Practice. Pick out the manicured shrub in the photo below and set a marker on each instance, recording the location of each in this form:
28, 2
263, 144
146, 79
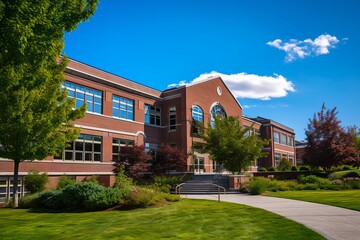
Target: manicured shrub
165, 184
77, 195
30, 201
352, 183
272, 169
351, 175
103, 199
51, 200
294, 169
35, 182
64, 181
257, 185
262, 169
346, 167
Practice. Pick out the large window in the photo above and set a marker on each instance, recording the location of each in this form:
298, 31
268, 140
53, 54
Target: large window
117, 145
283, 139
85, 148
152, 115
172, 118
276, 137
122, 108
217, 110
82, 94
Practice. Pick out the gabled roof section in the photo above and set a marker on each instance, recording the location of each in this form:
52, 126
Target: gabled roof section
212, 79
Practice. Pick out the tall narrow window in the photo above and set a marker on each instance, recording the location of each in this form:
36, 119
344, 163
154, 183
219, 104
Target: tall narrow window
277, 159
197, 117
172, 118
276, 137
152, 115
122, 107
81, 94
290, 141
283, 139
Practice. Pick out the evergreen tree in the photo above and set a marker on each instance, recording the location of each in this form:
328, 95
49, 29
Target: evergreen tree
35, 113
329, 144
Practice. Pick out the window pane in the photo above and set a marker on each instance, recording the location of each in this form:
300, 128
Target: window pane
88, 146
79, 146
115, 112
68, 156
97, 147
115, 149
88, 156
97, 157
78, 156
79, 103
97, 108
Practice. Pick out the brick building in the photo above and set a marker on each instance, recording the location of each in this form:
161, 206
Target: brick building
122, 112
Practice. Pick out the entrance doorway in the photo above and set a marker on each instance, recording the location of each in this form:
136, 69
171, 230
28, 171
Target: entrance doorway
199, 165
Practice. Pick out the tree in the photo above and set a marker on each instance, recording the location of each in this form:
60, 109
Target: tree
284, 165
230, 145
36, 115
168, 159
133, 159
329, 144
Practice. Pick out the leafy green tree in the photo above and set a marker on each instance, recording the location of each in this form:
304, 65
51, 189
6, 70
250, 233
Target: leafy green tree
36, 115
329, 144
230, 144
35, 182
284, 165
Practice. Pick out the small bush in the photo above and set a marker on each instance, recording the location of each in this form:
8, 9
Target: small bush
262, 169
30, 201
141, 197
165, 184
304, 168
65, 181
106, 198
346, 167
93, 179
272, 169
35, 182
313, 179
352, 183
284, 165
294, 169
257, 185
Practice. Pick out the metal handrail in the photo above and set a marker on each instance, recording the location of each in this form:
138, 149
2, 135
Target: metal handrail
177, 188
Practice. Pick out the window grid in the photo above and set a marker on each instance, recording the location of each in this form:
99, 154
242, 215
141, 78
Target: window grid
197, 113
277, 159
122, 108
152, 115
118, 144
85, 148
283, 139
82, 94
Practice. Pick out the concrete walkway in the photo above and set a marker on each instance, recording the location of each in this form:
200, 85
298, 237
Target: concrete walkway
331, 222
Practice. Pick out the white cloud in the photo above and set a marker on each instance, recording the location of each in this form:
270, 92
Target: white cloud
243, 85
300, 49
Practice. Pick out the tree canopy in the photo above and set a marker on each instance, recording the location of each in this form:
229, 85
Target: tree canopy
329, 144
230, 145
36, 115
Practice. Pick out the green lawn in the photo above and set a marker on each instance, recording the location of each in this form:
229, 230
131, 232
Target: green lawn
346, 199
187, 219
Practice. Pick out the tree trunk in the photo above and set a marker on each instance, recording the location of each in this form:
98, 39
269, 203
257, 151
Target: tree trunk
15, 183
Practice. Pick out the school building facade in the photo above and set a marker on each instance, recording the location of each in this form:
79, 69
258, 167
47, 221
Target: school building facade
122, 112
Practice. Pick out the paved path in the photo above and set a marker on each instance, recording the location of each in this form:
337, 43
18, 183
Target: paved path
331, 222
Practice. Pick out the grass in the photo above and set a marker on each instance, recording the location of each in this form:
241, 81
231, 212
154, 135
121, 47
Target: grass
347, 199
187, 219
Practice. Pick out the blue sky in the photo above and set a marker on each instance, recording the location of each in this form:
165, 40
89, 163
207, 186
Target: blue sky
281, 59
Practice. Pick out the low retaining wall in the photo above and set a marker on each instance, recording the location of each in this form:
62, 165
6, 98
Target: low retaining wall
236, 182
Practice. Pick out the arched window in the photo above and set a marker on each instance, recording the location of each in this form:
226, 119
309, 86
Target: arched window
216, 110
197, 113
197, 116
